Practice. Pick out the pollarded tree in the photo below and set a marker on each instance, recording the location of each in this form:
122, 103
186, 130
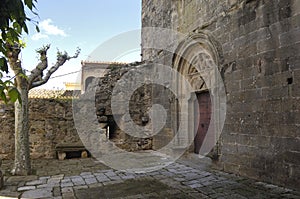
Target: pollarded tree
13, 19
24, 83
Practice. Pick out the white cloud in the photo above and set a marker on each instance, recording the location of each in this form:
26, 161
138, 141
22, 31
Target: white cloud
50, 29
38, 36
47, 29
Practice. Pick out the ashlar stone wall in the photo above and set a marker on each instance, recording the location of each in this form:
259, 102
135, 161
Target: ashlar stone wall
256, 44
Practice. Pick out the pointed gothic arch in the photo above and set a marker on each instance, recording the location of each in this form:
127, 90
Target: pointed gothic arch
198, 58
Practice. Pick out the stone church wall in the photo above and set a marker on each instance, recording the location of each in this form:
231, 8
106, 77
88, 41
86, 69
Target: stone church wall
258, 47
51, 122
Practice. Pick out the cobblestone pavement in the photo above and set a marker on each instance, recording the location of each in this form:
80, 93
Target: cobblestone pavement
85, 178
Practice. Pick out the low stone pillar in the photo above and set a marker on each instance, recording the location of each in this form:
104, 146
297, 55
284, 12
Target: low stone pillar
1, 176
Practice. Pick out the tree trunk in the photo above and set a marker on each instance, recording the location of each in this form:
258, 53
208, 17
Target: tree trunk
24, 83
22, 164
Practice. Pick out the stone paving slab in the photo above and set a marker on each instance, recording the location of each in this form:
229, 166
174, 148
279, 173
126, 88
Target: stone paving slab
182, 179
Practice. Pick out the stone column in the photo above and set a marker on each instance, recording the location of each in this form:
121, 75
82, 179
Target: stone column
1, 176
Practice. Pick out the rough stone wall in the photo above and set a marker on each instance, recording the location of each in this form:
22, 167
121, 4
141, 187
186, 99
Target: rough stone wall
259, 59
138, 109
51, 122
141, 101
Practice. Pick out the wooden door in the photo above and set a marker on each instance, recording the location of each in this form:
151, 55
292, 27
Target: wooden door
202, 119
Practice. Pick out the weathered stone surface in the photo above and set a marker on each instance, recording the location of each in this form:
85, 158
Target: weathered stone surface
26, 188
257, 45
14, 180
38, 193
183, 179
77, 180
51, 122
35, 182
89, 181
137, 107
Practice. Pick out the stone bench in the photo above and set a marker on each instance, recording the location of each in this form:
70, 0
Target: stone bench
63, 149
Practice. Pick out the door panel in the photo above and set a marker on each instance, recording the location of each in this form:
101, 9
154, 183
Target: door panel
202, 119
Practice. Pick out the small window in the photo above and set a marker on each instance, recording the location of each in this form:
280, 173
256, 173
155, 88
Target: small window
88, 81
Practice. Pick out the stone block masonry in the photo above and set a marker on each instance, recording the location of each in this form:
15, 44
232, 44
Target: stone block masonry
258, 44
51, 122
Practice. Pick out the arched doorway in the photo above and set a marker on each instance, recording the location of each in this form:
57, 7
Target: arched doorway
197, 59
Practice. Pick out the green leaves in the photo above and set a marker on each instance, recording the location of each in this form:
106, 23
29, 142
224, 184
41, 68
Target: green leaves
14, 94
12, 24
2, 94
12, 36
29, 4
9, 93
3, 64
13, 19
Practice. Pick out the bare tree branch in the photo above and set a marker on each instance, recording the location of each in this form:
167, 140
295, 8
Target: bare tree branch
12, 54
61, 59
37, 73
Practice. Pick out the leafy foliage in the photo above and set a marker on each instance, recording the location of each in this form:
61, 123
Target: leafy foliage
13, 19
8, 92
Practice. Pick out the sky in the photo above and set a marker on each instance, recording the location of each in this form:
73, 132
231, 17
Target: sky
88, 24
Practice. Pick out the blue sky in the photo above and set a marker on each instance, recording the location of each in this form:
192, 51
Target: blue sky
67, 24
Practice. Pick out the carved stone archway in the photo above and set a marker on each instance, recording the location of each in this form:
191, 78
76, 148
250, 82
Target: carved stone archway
197, 58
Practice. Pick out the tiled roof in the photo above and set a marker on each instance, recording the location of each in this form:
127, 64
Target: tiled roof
53, 94
103, 62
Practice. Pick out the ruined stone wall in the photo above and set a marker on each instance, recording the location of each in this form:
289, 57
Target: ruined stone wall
258, 48
138, 109
51, 122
